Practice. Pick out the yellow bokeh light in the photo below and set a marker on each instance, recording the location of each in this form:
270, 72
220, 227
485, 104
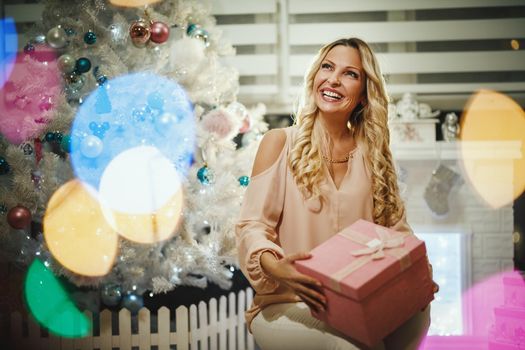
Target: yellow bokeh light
515, 44
76, 231
132, 3
491, 119
148, 228
142, 203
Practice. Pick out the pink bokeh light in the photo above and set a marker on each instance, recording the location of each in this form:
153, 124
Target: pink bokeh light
29, 96
494, 316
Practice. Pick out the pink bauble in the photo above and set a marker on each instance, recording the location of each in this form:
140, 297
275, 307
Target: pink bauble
246, 125
160, 32
30, 95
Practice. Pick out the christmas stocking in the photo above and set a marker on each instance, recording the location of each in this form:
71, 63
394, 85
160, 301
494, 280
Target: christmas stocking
438, 189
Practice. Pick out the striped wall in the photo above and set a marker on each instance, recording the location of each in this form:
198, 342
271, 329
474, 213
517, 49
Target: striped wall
442, 50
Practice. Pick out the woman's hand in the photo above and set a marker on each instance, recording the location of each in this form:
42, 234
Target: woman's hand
284, 271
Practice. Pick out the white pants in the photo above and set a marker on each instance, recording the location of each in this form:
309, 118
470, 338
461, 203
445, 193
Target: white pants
290, 326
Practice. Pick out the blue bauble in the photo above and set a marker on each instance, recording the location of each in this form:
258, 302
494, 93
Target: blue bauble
133, 302
205, 175
4, 166
101, 80
244, 180
83, 65
91, 146
90, 38
111, 294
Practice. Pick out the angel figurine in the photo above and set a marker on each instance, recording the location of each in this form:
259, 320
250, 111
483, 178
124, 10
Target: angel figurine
450, 127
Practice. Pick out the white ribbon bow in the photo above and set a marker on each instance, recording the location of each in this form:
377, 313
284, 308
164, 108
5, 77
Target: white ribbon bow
376, 246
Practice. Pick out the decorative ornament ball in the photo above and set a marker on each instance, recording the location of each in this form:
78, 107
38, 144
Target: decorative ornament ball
58, 136
111, 294
133, 302
90, 38
28, 149
205, 175
19, 217
50, 137
164, 122
160, 32
139, 32
4, 166
244, 180
66, 63
246, 125
101, 80
56, 37
70, 31
65, 144
201, 34
91, 146
83, 65
29, 48
75, 81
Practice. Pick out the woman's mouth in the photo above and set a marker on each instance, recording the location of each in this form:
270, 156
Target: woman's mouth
330, 96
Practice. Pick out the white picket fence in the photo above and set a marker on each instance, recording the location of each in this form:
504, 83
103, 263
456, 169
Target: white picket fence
206, 326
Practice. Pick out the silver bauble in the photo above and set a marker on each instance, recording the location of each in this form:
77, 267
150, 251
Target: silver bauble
111, 294
56, 38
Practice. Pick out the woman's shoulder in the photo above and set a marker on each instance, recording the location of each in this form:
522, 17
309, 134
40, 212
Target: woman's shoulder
270, 150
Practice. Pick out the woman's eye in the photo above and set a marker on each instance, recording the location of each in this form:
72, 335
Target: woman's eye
352, 74
326, 66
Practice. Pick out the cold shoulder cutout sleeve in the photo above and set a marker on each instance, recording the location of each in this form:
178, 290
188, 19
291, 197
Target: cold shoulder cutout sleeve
260, 213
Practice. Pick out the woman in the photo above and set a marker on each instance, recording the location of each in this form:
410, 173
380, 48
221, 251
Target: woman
310, 181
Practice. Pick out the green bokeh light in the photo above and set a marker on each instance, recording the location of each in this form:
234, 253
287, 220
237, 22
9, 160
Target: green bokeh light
50, 304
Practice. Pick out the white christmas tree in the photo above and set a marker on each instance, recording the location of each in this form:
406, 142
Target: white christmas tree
118, 127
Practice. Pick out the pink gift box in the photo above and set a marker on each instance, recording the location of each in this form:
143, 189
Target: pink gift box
374, 279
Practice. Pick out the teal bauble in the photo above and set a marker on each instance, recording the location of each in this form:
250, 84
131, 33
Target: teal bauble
90, 38
83, 65
50, 137
244, 180
65, 143
205, 175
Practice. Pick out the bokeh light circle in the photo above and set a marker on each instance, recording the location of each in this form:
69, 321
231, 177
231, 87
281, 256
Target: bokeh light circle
492, 117
29, 95
143, 203
141, 109
76, 231
51, 306
9, 45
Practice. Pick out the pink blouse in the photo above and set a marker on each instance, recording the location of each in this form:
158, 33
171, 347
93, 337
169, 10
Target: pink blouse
276, 218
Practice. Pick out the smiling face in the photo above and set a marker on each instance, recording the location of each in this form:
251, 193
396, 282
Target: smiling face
339, 84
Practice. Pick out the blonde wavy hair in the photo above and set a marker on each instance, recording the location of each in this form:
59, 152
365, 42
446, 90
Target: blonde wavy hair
369, 123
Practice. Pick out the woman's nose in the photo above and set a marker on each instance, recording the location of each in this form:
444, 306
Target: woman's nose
333, 79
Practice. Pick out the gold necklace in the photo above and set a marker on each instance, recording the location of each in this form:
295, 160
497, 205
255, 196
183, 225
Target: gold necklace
343, 160
330, 160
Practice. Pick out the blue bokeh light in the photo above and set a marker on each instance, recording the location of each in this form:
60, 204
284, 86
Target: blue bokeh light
140, 109
8, 48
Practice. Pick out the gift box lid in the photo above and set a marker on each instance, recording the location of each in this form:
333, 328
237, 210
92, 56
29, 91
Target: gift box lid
337, 265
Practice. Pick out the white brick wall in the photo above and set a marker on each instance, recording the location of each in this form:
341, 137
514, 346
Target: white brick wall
490, 229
